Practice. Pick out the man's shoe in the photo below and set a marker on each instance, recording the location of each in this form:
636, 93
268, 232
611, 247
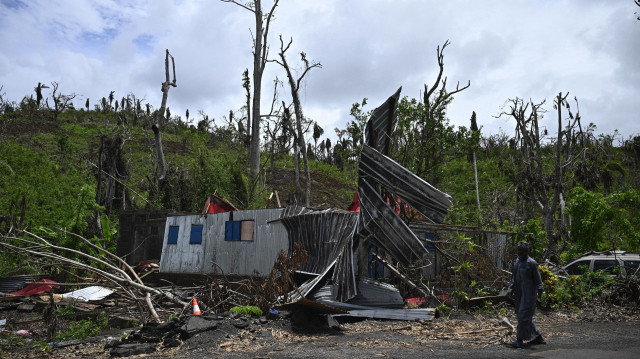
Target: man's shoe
518, 344
538, 340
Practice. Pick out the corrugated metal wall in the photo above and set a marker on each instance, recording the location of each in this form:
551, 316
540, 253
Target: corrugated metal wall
496, 248
232, 257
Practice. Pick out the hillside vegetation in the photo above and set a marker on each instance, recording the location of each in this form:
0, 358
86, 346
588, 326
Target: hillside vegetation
78, 168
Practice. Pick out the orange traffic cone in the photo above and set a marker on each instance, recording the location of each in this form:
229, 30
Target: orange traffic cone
196, 308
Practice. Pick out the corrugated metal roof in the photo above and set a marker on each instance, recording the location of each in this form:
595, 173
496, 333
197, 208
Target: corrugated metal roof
322, 234
389, 231
89, 293
382, 123
370, 293
327, 236
419, 194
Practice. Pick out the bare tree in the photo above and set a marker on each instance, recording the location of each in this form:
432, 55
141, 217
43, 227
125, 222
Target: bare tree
160, 162
424, 138
60, 101
294, 85
540, 184
260, 53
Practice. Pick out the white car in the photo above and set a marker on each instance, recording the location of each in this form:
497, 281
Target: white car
607, 261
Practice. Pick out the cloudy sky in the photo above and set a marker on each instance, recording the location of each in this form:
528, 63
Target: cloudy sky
530, 49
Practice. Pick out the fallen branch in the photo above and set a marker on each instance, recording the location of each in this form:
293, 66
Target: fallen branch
424, 291
111, 272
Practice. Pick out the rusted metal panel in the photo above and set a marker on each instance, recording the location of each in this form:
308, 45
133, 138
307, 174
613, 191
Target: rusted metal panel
382, 123
419, 194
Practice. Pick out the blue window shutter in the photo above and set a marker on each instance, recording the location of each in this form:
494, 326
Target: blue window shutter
232, 231
228, 230
236, 230
173, 234
196, 234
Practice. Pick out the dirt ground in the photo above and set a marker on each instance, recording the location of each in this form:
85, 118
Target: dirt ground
593, 333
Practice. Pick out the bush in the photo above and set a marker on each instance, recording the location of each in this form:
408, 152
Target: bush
247, 309
574, 290
84, 328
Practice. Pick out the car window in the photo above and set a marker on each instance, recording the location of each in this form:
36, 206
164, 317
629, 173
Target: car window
574, 269
607, 265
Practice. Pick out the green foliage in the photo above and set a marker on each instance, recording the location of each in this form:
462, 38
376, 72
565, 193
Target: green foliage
465, 266
48, 192
248, 310
443, 310
424, 141
603, 222
464, 243
574, 290
591, 213
461, 295
84, 328
533, 232
478, 290
64, 310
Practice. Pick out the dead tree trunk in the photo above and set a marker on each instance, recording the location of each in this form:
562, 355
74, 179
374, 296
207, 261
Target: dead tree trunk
296, 152
295, 87
260, 53
544, 188
161, 171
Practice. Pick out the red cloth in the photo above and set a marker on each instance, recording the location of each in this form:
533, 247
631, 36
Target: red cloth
410, 212
417, 301
33, 289
355, 204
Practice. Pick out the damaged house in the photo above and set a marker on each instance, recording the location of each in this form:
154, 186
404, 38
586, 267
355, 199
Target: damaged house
223, 240
339, 243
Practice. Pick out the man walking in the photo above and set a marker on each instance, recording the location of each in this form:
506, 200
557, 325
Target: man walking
526, 287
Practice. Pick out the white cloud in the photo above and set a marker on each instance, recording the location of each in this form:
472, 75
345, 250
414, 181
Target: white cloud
368, 48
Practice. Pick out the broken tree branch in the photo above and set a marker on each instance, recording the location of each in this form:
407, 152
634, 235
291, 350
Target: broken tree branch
420, 288
111, 272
